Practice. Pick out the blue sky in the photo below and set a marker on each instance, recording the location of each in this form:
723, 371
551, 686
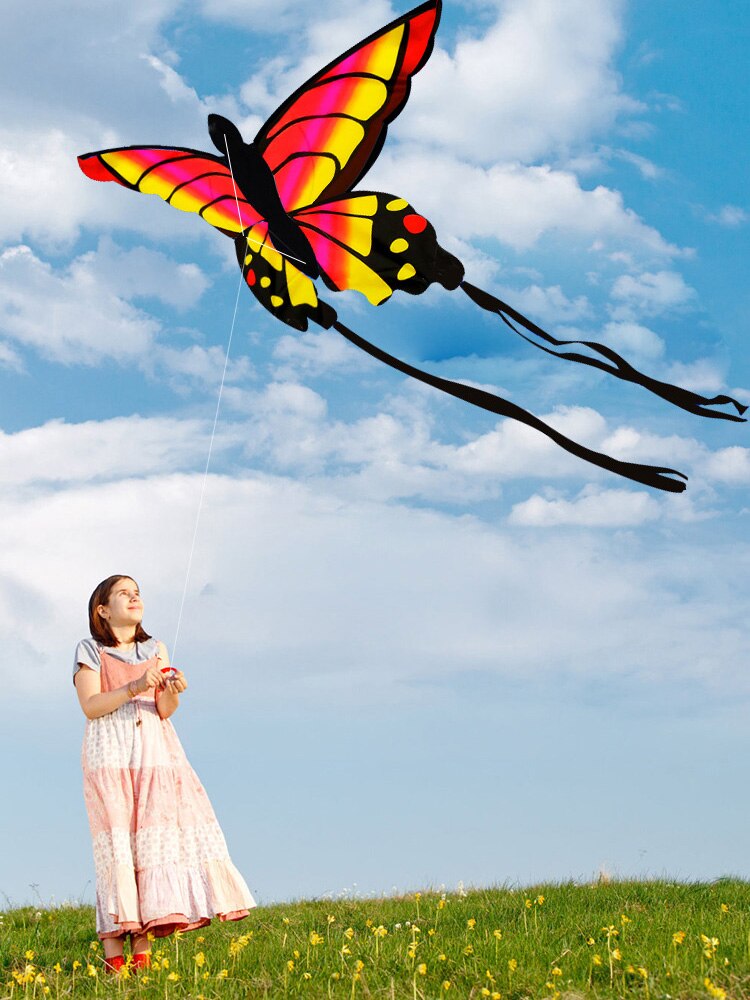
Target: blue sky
423, 645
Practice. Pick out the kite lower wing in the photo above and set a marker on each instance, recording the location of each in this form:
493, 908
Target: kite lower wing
375, 243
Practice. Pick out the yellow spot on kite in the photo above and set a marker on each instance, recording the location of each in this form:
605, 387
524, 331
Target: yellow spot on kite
406, 272
273, 257
301, 289
276, 300
265, 282
397, 204
398, 246
248, 258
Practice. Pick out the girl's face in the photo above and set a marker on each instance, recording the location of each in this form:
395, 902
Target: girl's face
124, 606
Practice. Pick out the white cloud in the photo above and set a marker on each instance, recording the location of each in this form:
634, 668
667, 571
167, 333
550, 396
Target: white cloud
537, 82
730, 216
703, 375
730, 465
143, 273
68, 317
514, 204
646, 168
100, 451
650, 293
549, 304
633, 338
592, 509
315, 354
341, 602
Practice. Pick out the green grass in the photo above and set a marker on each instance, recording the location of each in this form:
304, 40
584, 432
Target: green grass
637, 939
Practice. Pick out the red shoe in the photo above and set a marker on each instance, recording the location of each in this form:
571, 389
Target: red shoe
142, 960
114, 964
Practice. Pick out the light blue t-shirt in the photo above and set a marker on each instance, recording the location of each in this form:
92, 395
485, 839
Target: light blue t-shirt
88, 652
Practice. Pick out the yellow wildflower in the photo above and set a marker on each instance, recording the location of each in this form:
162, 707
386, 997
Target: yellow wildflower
446, 984
336, 975
200, 959
539, 900
91, 970
349, 933
223, 974
528, 904
624, 919
285, 920
76, 965
150, 936
471, 923
379, 931
715, 991
57, 967
417, 896
422, 969
307, 975
346, 950
468, 950
315, 938
724, 908
556, 971
29, 955
590, 940
441, 906
678, 937
498, 934
512, 964
200, 940
369, 922
597, 959
616, 954
442, 957
331, 919
643, 973
359, 965
431, 932
485, 991
173, 977
290, 965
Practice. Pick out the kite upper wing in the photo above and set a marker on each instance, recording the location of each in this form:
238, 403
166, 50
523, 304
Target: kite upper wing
185, 178
326, 136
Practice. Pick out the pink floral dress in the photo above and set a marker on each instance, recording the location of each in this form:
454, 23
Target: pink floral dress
161, 859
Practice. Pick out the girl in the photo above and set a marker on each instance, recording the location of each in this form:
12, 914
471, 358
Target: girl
160, 856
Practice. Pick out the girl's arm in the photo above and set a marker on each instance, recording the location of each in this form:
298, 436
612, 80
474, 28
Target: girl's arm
96, 702
168, 697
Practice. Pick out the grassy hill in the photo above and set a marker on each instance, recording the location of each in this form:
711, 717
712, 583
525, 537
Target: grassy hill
561, 942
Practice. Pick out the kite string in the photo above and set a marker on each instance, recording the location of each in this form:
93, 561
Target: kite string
213, 432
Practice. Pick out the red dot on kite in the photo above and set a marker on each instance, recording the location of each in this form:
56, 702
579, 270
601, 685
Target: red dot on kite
415, 223
251, 278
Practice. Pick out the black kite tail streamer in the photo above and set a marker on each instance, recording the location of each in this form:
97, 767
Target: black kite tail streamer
619, 367
650, 475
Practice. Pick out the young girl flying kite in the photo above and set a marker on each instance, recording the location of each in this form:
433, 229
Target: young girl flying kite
160, 856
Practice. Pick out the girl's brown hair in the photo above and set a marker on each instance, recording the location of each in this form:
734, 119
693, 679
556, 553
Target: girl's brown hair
99, 626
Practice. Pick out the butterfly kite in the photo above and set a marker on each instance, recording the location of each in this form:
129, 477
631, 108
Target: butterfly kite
288, 201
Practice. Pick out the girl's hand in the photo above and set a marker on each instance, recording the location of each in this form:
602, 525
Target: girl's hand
151, 678
177, 684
